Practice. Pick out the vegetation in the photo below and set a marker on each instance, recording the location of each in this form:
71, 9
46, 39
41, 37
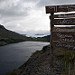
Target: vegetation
7, 36
45, 38
68, 57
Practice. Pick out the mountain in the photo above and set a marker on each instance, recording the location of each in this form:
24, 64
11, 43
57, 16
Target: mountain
7, 36
44, 38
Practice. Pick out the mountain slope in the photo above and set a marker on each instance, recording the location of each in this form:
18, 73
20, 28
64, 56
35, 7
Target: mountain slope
7, 36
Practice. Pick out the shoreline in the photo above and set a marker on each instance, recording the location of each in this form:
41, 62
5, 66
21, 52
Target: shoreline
37, 64
11, 43
19, 42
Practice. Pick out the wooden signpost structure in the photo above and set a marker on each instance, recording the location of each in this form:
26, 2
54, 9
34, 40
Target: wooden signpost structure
67, 18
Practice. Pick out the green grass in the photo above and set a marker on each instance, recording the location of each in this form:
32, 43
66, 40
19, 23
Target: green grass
68, 57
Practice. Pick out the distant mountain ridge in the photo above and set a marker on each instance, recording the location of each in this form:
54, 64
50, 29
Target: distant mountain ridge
7, 36
44, 38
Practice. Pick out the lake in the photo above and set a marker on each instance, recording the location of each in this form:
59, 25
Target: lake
14, 55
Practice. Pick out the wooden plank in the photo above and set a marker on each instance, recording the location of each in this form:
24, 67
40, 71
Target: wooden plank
66, 40
50, 9
64, 29
64, 21
72, 15
63, 45
63, 37
60, 8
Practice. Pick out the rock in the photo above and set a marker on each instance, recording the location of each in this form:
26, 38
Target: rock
39, 64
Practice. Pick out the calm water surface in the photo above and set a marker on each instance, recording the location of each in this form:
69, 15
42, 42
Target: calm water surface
14, 55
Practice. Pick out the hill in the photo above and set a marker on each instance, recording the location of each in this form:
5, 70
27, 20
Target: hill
7, 36
44, 38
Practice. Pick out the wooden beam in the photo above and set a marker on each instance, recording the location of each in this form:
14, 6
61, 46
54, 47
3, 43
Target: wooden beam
51, 41
60, 8
68, 30
71, 15
64, 21
64, 37
64, 45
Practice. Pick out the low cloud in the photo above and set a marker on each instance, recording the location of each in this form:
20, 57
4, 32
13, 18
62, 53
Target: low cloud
43, 3
11, 8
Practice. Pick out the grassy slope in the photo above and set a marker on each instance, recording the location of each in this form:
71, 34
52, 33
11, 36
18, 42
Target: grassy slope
7, 36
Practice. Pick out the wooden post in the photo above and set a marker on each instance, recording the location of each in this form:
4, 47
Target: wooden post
51, 43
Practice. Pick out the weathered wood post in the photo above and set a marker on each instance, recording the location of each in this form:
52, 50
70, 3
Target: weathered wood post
51, 41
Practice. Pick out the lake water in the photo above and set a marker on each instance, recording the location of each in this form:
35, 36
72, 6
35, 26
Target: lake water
14, 55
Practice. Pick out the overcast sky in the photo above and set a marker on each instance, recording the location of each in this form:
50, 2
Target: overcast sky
27, 16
